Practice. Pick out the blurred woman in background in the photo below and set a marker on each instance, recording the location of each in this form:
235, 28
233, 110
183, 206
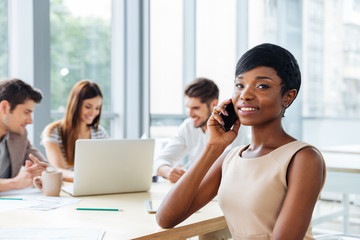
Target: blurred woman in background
81, 121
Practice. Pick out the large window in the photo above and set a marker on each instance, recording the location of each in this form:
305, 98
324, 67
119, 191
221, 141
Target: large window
80, 49
166, 68
332, 54
212, 60
331, 71
216, 43
3, 38
263, 24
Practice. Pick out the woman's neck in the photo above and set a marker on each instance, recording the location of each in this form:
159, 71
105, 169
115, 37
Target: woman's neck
84, 131
266, 139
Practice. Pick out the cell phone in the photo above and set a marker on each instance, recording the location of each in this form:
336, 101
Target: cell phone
231, 119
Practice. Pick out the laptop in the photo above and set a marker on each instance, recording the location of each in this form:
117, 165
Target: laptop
104, 166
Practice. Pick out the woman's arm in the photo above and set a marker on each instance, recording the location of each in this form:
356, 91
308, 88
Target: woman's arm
56, 159
200, 183
193, 190
305, 177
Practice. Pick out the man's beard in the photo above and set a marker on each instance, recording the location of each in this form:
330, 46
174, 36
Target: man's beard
204, 122
201, 124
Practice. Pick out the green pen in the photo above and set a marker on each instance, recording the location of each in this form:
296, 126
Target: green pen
10, 198
99, 209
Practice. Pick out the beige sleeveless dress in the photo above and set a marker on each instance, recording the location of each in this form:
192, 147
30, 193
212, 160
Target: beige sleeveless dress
252, 191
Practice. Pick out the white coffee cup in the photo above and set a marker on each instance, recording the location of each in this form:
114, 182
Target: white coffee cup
49, 183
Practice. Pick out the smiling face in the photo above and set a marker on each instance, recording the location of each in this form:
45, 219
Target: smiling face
257, 96
198, 111
90, 109
16, 120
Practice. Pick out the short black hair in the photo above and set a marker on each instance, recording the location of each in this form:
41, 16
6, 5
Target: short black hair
16, 91
276, 57
202, 88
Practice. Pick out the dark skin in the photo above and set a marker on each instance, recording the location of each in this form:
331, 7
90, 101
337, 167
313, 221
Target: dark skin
258, 103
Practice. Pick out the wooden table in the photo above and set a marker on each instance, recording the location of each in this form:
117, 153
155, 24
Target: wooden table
134, 222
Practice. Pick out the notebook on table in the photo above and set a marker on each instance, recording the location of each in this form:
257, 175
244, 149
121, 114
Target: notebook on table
104, 166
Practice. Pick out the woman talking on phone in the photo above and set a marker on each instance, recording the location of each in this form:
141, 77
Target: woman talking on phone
268, 188
81, 121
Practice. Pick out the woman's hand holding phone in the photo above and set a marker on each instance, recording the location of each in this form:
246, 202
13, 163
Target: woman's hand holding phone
219, 125
230, 118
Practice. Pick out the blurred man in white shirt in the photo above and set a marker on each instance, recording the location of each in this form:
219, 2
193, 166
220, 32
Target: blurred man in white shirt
200, 97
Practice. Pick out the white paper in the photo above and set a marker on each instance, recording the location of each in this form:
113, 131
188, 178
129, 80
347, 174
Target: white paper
7, 205
51, 234
33, 199
25, 191
49, 203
